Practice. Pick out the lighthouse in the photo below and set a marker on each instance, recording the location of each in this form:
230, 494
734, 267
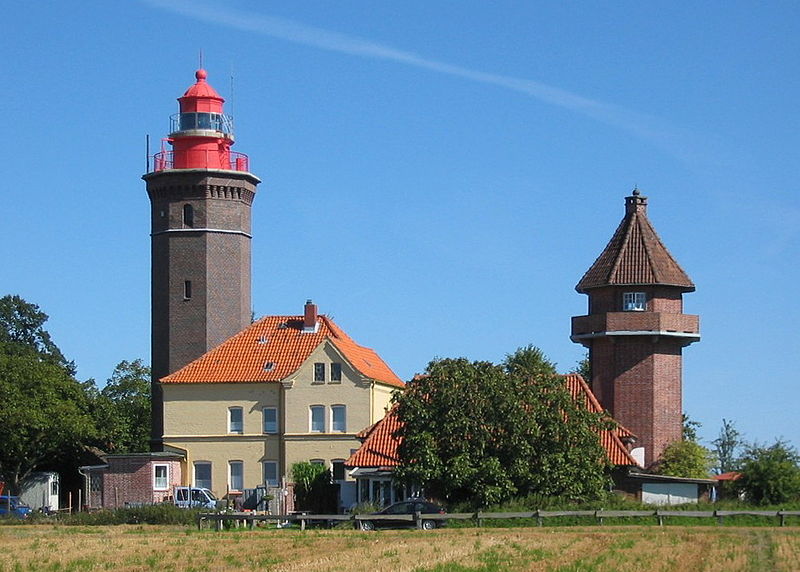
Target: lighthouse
201, 194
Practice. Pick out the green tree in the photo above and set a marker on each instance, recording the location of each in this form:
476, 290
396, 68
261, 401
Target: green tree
483, 433
685, 459
770, 474
122, 409
313, 488
22, 330
45, 414
584, 368
690, 427
726, 447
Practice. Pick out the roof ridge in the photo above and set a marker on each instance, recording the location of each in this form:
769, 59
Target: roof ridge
273, 348
623, 245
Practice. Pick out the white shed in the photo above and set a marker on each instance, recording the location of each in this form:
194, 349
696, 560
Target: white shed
40, 491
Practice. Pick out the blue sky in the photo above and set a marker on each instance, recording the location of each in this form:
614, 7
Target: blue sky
437, 175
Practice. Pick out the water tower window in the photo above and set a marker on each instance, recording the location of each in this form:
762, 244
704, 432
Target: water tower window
634, 301
188, 216
187, 289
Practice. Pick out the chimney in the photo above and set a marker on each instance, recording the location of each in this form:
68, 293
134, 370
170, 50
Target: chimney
310, 323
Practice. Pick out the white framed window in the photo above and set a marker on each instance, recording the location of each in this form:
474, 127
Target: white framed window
337, 469
271, 478
235, 420
338, 419
336, 372
160, 477
317, 462
634, 301
202, 474
270, 420
235, 475
317, 418
319, 373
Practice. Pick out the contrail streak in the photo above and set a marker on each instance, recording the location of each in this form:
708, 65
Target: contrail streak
642, 125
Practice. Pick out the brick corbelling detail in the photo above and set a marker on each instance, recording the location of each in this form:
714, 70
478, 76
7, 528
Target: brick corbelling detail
183, 192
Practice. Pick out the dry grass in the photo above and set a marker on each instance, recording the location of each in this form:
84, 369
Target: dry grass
551, 549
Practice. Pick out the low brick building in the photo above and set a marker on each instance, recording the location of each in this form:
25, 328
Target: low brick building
137, 478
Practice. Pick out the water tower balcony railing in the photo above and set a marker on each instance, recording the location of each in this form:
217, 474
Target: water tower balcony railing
200, 159
656, 322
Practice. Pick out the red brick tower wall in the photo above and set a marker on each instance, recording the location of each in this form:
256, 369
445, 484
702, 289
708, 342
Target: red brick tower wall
638, 379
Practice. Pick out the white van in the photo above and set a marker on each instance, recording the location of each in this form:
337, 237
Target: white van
193, 497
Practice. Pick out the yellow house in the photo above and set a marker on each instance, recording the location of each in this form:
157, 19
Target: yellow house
285, 389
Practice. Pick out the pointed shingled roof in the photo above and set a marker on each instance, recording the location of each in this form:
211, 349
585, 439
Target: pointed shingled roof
635, 255
380, 443
273, 348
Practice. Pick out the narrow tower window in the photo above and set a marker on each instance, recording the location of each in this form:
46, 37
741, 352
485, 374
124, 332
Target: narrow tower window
188, 216
187, 289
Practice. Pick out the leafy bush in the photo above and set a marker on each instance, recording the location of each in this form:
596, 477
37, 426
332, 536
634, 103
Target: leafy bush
150, 514
313, 488
770, 475
685, 459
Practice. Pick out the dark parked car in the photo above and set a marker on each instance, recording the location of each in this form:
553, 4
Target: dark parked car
406, 508
16, 506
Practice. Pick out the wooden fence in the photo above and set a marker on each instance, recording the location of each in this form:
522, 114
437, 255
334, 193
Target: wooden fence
250, 519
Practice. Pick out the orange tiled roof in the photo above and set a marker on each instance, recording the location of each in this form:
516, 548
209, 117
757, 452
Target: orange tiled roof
610, 439
635, 255
281, 342
379, 448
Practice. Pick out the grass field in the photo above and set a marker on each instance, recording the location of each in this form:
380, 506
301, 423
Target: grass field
555, 549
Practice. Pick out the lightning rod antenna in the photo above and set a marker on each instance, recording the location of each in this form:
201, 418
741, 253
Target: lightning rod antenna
233, 101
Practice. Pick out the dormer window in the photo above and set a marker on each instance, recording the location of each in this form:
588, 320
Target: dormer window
634, 302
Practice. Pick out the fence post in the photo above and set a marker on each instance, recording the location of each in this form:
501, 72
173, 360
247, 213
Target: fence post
480, 520
783, 518
302, 524
418, 519
719, 518
538, 517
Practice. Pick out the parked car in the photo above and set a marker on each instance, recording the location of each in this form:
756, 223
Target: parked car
12, 505
407, 507
194, 497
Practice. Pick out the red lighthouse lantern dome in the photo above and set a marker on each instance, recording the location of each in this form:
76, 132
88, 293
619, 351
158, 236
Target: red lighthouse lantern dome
201, 135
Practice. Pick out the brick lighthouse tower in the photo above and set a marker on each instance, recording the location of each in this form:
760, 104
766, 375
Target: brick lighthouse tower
201, 195
636, 329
